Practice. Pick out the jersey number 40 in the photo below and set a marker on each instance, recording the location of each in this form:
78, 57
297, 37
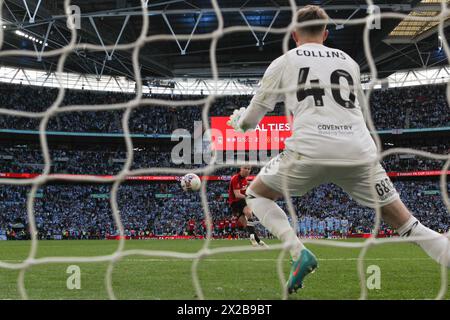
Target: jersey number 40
318, 92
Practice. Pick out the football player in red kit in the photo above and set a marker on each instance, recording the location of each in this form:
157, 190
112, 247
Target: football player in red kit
239, 208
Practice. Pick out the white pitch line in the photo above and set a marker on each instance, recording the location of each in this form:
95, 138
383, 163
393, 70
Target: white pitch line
251, 260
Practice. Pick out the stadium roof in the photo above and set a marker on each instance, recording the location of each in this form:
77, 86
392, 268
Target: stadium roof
411, 28
240, 54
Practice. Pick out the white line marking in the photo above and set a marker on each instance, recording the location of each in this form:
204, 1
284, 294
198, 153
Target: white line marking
252, 260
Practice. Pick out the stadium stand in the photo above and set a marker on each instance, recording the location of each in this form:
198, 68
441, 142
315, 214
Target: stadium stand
415, 107
83, 211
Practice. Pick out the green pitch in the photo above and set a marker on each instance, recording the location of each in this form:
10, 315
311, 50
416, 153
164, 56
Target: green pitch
406, 272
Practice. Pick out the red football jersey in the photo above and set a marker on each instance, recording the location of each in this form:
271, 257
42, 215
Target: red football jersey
237, 183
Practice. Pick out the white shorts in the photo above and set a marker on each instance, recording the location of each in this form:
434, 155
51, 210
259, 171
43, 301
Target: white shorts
294, 173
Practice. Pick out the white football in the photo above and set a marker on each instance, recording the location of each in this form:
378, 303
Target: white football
191, 182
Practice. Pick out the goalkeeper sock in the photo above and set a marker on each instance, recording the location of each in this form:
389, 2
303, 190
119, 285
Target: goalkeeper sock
275, 220
251, 230
438, 247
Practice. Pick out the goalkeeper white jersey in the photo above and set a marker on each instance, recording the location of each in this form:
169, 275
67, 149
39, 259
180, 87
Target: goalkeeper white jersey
325, 97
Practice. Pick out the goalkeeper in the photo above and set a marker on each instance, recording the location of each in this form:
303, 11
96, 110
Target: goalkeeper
330, 143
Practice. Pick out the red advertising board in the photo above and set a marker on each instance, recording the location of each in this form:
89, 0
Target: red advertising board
140, 178
416, 174
270, 134
209, 178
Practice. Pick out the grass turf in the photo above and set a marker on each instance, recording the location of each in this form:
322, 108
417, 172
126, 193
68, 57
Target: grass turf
406, 272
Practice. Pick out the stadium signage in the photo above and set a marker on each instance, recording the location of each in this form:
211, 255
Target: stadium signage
270, 134
177, 178
432, 192
163, 195
416, 174
100, 195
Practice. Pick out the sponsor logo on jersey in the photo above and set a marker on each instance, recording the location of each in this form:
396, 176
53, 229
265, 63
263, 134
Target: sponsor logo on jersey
335, 130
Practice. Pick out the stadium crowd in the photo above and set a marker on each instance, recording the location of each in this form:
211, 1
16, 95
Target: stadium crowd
68, 211
410, 107
399, 108
84, 212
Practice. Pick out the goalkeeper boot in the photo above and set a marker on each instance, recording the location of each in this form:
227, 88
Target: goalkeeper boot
304, 265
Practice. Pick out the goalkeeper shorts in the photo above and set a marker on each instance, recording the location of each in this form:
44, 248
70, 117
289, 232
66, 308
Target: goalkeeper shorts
292, 172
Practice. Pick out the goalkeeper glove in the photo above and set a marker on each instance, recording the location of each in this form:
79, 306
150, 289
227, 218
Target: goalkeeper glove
234, 120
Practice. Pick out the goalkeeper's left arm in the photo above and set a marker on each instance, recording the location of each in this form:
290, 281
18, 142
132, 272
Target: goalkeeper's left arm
264, 100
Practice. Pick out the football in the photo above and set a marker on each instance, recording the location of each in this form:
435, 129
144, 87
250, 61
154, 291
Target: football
191, 182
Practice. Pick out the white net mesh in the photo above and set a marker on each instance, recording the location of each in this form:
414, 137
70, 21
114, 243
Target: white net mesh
129, 106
